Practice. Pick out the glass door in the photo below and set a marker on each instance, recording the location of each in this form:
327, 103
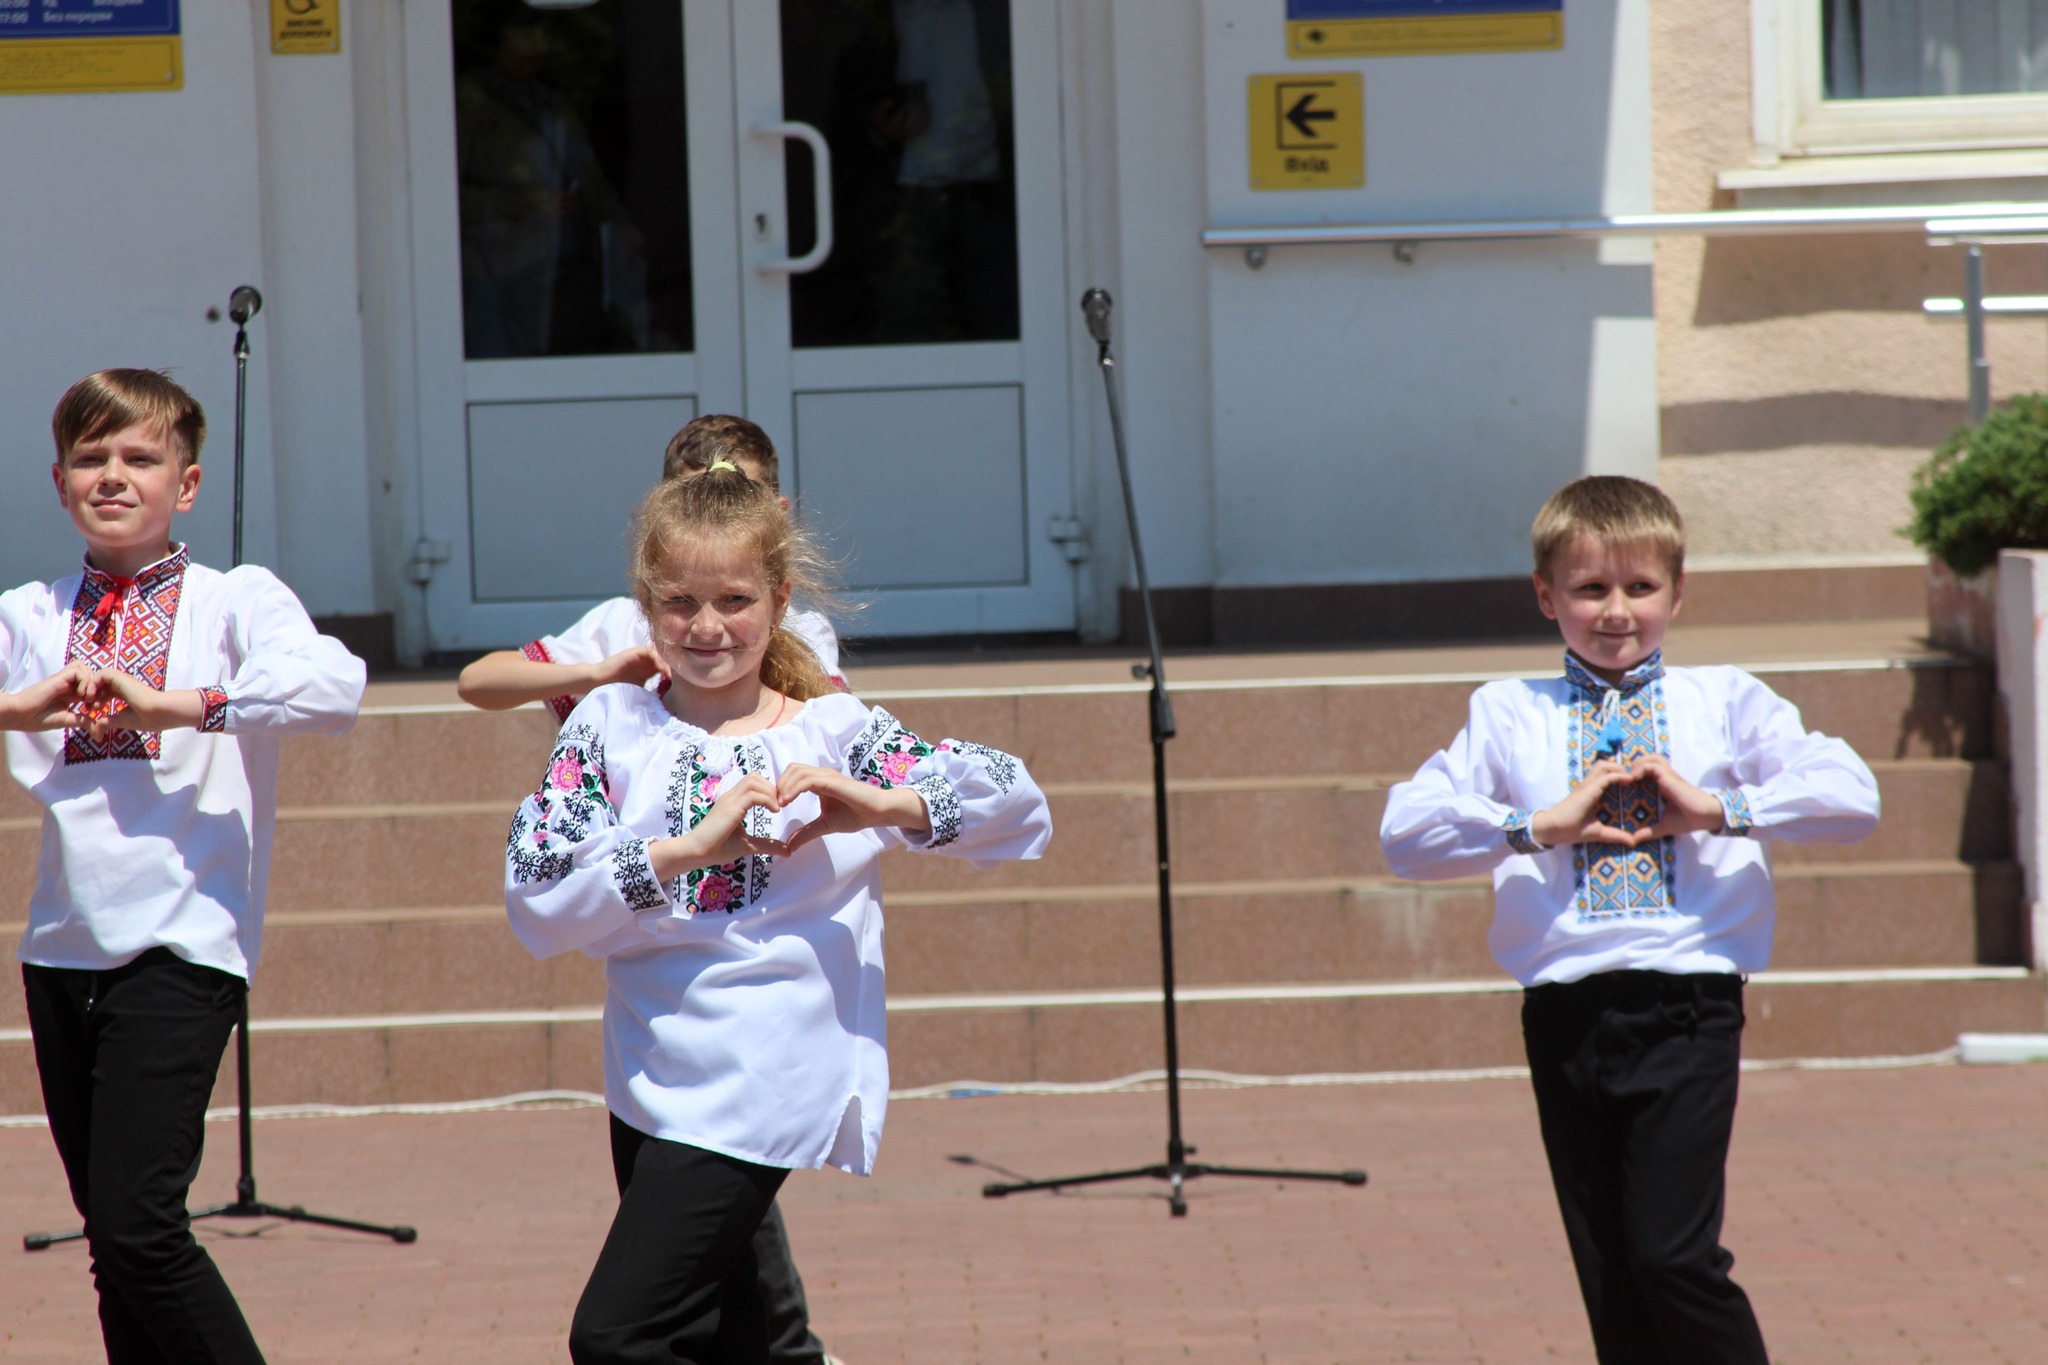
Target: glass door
575, 296
905, 303
837, 217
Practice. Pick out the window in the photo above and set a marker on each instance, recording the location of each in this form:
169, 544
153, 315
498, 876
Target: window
1858, 77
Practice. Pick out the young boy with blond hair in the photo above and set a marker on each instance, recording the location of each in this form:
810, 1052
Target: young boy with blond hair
609, 643
1624, 810
144, 697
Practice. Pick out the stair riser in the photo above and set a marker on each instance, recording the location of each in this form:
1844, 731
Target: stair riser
393, 1066
1392, 933
1931, 812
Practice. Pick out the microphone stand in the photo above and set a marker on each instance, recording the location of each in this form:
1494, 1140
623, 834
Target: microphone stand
1176, 1170
244, 304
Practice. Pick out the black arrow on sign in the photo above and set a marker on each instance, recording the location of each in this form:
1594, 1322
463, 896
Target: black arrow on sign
1305, 118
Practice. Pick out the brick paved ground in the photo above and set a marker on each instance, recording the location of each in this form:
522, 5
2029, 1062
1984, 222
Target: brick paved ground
1879, 1216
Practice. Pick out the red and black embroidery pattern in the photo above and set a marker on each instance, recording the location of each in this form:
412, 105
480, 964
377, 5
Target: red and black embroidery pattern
133, 634
561, 705
213, 716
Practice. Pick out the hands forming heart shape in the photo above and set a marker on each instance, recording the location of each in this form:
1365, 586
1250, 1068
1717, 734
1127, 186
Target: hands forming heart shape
1576, 819
845, 806
101, 702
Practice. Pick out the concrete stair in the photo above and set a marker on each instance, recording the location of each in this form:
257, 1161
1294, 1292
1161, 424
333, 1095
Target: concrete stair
388, 975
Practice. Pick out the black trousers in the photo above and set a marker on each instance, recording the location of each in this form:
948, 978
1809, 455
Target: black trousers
1635, 1076
790, 1339
678, 1280
128, 1059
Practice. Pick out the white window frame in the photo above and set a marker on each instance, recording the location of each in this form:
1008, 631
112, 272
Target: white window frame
1791, 119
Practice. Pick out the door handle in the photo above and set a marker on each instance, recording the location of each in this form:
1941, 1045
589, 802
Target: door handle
821, 196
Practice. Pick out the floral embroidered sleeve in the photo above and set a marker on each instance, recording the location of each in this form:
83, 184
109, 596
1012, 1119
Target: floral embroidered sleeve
982, 804
573, 873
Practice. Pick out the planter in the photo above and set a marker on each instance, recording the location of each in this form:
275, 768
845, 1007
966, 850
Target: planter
2023, 688
1962, 613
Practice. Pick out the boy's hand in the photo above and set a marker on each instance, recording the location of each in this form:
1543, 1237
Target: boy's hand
1687, 809
1576, 819
117, 701
634, 666
849, 805
721, 836
53, 703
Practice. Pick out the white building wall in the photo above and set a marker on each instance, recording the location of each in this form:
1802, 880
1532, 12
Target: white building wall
1376, 421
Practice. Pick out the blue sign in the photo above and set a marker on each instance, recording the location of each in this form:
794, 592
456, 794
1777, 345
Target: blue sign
88, 18
1302, 10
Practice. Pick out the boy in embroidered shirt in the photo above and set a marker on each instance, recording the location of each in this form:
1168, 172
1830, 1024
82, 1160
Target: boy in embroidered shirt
609, 643
143, 699
1623, 810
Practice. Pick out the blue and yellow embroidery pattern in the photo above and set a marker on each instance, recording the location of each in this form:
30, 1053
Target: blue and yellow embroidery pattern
1630, 721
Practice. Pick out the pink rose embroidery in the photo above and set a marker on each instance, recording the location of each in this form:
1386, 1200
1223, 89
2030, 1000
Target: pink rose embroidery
714, 892
710, 787
567, 774
896, 767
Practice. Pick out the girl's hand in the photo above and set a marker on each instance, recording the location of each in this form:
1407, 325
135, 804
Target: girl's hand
849, 805
1687, 809
721, 836
51, 704
117, 701
634, 665
1576, 819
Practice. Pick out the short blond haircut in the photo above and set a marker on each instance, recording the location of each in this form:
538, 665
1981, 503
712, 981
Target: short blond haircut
107, 401
1613, 510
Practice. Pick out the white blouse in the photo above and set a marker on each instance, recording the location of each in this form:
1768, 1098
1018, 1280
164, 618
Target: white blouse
1688, 903
163, 840
744, 1003
617, 624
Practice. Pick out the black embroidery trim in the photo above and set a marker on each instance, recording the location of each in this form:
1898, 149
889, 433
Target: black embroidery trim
1002, 767
942, 803
635, 876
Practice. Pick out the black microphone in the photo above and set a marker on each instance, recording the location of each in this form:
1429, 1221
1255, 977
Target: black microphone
244, 303
1095, 306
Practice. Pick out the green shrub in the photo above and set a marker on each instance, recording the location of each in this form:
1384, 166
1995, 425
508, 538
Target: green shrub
1986, 489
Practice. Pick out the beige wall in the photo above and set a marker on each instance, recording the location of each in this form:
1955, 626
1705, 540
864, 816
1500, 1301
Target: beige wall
1798, 382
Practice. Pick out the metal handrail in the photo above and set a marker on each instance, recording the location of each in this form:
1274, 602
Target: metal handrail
1725, 223
1995, 306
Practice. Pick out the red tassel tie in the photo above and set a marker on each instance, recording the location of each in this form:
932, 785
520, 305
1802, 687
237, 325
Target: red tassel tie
109, 600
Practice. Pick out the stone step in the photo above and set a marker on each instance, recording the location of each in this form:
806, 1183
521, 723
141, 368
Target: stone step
935, 1040
337, 857
434, 961
446, 753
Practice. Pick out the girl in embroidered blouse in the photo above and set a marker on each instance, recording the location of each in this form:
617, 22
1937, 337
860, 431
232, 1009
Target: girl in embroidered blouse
716, 845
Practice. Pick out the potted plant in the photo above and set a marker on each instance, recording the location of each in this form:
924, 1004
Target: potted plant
1985, 490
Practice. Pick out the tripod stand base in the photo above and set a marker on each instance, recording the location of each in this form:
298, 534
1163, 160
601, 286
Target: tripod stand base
249, 1208
1175, 1174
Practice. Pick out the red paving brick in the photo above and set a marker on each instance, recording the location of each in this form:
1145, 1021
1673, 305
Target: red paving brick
1878, 1216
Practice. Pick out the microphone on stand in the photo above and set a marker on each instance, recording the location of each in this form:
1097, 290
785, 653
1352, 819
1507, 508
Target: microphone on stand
1095, 306
244, 303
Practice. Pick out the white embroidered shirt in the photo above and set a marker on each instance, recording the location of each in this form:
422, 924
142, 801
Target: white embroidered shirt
1686, 903
744, 1003
617, 624
163, 840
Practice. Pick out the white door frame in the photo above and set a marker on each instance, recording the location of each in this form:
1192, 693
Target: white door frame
743, 360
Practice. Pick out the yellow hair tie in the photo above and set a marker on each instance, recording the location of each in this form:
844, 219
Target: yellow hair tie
719, 464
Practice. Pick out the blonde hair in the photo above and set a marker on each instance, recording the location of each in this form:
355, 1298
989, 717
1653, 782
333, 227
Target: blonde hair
1613, 510
724, 504
107, 401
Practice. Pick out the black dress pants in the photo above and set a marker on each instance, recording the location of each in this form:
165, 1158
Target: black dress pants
1635, 1077
678, 1281
128, 1059
790, 1338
